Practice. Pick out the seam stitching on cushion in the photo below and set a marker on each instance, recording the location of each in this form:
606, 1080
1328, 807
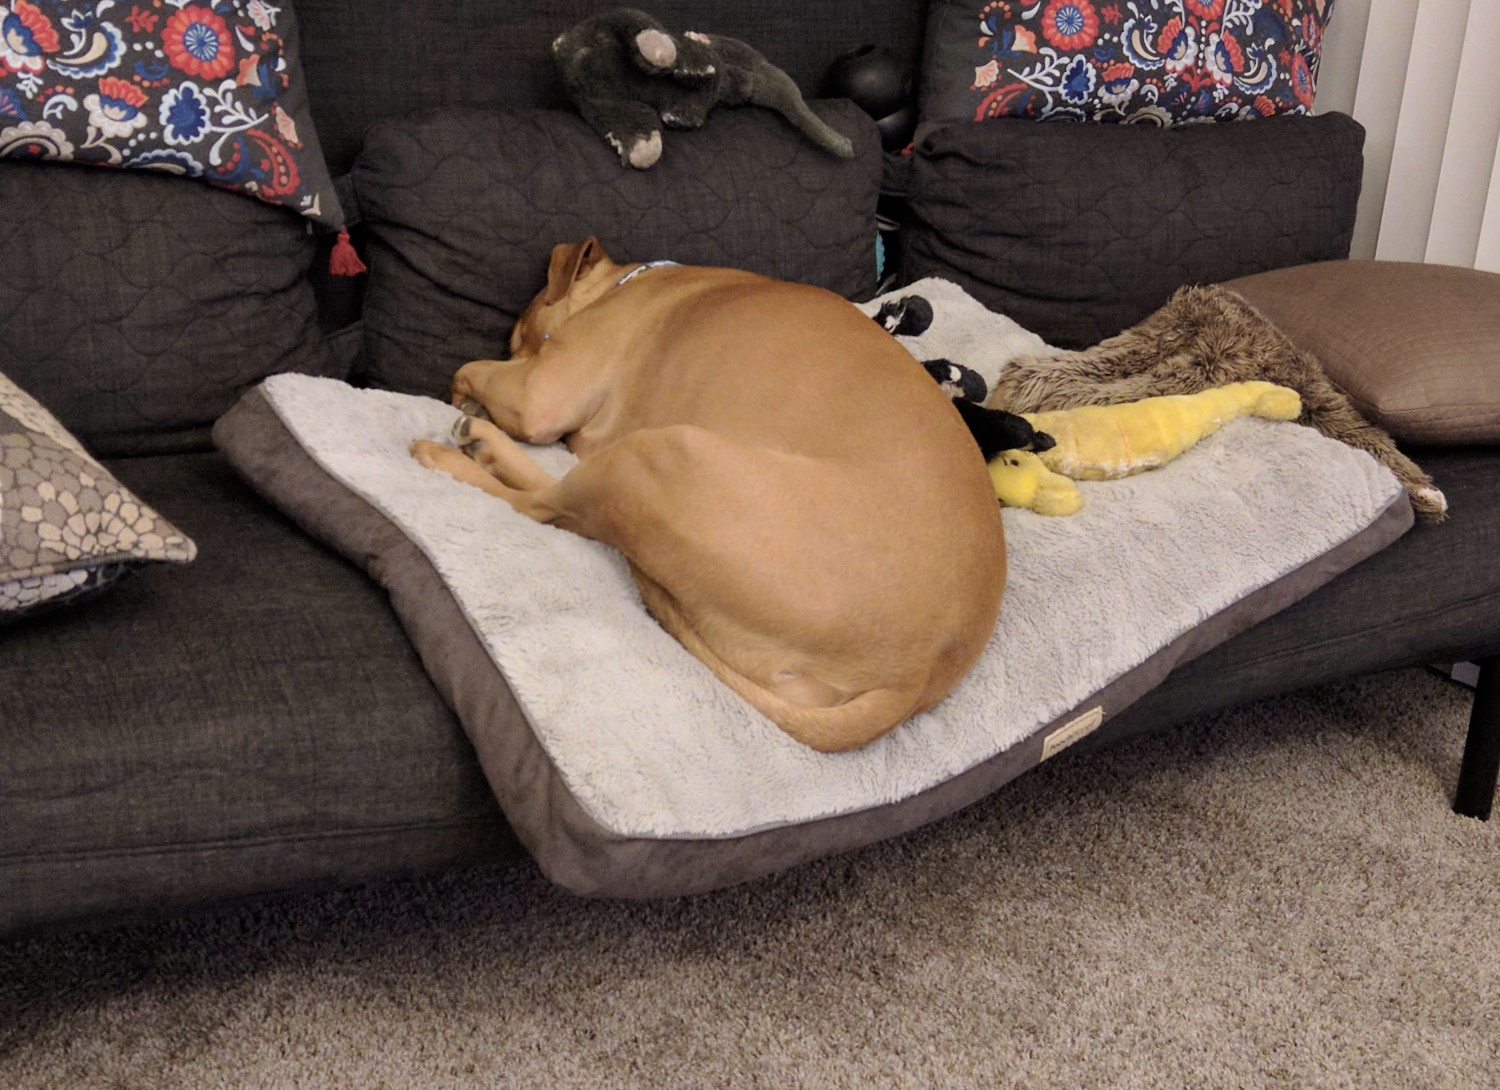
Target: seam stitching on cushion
226, 843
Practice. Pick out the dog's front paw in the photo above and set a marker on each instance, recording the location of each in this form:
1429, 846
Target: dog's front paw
464, 437
478, 438
470, 406
696, 60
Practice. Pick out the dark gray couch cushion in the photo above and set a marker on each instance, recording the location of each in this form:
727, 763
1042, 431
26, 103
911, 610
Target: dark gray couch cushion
137, 307
1080, 231
257, 721
463, 209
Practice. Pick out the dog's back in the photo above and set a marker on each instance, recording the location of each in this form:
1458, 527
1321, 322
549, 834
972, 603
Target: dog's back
801, 505
816, 522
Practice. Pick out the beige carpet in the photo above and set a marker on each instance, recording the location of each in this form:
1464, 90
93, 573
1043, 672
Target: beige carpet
1277, 896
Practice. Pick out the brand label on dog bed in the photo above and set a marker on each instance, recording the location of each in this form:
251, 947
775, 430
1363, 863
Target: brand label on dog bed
1065, 735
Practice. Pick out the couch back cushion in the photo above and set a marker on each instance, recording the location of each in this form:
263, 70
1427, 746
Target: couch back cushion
137, 307
1078, 231
382, 59
463, 207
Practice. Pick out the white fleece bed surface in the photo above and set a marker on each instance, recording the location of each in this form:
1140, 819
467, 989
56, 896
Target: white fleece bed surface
651, 745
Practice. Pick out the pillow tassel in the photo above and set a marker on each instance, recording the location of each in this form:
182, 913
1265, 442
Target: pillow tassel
344, 260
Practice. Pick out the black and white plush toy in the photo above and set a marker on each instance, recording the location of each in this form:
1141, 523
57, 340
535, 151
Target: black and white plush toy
629, 77
996, 430
938, 322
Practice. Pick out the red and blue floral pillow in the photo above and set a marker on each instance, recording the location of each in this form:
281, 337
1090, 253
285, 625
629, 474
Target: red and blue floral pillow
211, 90
1158, 61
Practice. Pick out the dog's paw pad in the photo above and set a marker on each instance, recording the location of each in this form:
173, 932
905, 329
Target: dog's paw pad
657, 48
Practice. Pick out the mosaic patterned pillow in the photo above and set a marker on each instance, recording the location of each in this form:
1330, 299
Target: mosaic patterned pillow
212, 91
67, 528
1155, 61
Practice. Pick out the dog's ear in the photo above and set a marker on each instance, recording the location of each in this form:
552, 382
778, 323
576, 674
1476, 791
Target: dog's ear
570, 262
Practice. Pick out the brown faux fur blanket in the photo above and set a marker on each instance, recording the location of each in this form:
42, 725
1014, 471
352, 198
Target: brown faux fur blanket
1204, 337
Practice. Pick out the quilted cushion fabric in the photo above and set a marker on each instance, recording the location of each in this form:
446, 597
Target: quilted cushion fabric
463, 209
67, 528
1159, 61
208, 90
1079, 231
137, 308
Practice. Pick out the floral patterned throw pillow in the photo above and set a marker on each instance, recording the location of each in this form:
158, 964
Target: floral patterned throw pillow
67, 528
1159, 61
211, 90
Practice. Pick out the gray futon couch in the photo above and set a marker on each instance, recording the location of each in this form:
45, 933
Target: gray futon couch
258, 721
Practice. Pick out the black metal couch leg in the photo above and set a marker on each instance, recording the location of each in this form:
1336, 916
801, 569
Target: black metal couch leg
1477, 774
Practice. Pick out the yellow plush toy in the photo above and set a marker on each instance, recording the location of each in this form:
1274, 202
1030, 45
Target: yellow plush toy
1104, 442
1021, 480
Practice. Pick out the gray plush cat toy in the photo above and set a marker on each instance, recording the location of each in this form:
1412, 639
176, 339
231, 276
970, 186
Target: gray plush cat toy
628, 77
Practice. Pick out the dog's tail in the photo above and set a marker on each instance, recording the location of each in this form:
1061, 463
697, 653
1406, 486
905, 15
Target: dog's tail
856, 722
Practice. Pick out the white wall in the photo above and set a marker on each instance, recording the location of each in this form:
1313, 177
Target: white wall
1415, 73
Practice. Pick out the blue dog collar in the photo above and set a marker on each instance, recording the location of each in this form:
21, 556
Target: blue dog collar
633, 273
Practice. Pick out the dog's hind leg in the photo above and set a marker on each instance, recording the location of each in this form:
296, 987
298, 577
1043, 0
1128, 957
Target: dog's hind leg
814, 713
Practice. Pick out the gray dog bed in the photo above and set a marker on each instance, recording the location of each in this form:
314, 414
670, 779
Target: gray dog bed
627, 769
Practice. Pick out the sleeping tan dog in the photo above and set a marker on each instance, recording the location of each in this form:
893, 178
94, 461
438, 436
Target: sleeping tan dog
800, 503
